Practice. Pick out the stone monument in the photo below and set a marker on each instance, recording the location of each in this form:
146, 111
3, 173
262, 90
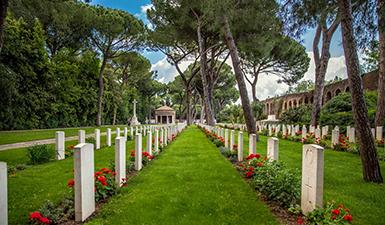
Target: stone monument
134, 119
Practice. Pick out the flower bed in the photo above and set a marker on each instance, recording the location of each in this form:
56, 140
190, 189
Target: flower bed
281, 187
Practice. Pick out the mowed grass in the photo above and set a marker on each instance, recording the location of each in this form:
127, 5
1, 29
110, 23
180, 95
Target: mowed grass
9, 137
30, 188
190, 183
343, 181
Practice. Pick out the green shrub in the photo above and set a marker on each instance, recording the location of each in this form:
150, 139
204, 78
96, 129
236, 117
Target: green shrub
39, 154
91, 140
300, 115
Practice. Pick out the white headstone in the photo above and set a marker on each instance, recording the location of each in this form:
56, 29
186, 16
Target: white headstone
108, 136
60, 147
347, 131
3, 194
311, 129
373, 132
324, 132
120, 160
272, 148
84, 181
352, 135
232, 139
97, 139
226, 138
379, 134
125, 132
156, 143
312, 177
252, 144
161, 137
284, 130
240, 146
138, 151
165, 137
335, 137
317, 133
131, 132
149, 142
81, 136
117, 132
304, 132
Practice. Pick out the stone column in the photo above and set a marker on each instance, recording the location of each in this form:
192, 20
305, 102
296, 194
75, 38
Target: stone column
156, 144
379, 135
226, 138
232, 138
108, 137
60, 146
117, 132
138, 151
3, 194
84, 181
81, 136
97, 139
252, 144
149, 142
312, 177
125, 133
272, 148
240, 146
120, 160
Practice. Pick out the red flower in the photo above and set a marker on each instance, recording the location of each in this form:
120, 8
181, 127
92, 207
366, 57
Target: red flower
71, 183
249, 174
299, 220
35, 215
336, 212
251, 168
348, 218
103, 180
260, 164
113, 173
334, 217
98, 173
132, 153
45, 220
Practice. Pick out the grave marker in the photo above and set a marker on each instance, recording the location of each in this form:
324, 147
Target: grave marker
232, 139
149, 142
240, 146
138, 151
272, 148
120, 160
156, 144
108, 137
97, 139
81, 136
252, 144
60, 146
379, 135
3, 194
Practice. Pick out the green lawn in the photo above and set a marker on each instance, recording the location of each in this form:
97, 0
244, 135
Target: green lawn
28, 189
190, 183
342, 180
9, 137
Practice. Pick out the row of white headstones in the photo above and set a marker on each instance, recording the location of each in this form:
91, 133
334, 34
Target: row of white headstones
312, 163
84, 163
319, 132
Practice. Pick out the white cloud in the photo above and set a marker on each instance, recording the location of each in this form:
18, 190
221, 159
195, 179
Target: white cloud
267, 85
144, 8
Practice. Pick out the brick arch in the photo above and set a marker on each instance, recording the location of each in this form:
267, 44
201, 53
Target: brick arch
347, 89
328, 96
337, 92
306, 100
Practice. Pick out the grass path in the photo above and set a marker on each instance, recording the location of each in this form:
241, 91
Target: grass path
190, 183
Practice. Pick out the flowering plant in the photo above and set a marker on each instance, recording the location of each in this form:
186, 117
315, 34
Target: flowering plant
330, 214
342, 145
69, 151
37, 218
250, 166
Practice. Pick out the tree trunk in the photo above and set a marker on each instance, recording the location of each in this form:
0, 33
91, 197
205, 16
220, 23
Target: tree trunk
254, 91
250, 122
371, 169
203, 65
380, 115
188, 105
101, 92
3, 14
321, 65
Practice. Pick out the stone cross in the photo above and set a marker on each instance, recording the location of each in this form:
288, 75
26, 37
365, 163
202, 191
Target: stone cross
156, 143
272, 148
108, 137
379, 135
226, 138
149, 142
240, 146
81, 136
312, 177
97, 139
84, 181
60, 147
252, 144
120, 160
117, 132
232, 139
138, 151
3, 194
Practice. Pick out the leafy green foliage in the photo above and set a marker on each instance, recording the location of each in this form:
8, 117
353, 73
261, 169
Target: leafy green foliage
39, 154
300, 115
